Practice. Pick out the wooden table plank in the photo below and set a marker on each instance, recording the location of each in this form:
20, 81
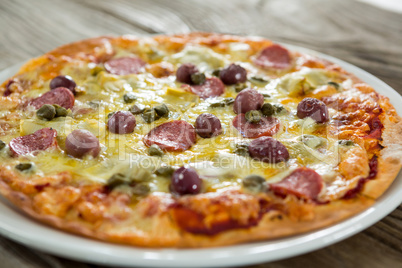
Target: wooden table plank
361, 34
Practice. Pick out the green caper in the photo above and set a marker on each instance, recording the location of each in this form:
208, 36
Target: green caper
346, 142
241, 149
239, 87
216, 72
162, 110
165, 171
117, 180
257, 80
155, 150
266, 95
141, 189
2, 145
24, 166
254, 183
137, 109
198, 78
229, 101
217, 104
334, 84
129, 97
149, 115
253, 116
279, 109
60, 111
267, 109
46, 112
94, 103
96, 70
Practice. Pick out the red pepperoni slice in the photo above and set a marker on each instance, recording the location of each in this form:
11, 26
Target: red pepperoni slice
213, 87
125, 65
61, 96
274, 56
268, 126
40, 140
303, 182
172, 136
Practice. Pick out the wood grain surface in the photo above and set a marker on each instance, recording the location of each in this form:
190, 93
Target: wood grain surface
361, 34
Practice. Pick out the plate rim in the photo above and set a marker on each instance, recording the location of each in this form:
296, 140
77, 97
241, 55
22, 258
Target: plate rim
110, 254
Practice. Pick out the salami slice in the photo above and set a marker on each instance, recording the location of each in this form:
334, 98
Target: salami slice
61, 96
40, 140
213, 87
174, 136
268, 126
125, 65
274, 56
303, 182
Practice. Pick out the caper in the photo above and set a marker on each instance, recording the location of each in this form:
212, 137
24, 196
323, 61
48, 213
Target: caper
162, 110
60, 111
141, 189
254, 183
229, 101
346, 142
241, 149
149, 115
258, 80
117, 180
267, 109
137, 109
266, 95
239, 87
110, 114
253, 116
198, 78
334, 84
217, 104
129, 97
24, 166
46, 112
164, 171
216, 72
94, 103
279, 108
155, 150
96, 70
2, 145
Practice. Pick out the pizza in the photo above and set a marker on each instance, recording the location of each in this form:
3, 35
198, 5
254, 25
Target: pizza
192, 140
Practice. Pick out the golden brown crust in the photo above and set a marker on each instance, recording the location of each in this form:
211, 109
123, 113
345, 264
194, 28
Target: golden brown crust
153, 224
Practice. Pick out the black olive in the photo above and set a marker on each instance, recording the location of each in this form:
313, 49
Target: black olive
155, 150
254, 183
129, 97
162, 110
198, 78
253, 116
46, 112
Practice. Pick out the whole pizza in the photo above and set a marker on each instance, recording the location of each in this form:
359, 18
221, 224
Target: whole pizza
192, 140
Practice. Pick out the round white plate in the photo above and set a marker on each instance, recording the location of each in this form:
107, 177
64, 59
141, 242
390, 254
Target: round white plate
18, 227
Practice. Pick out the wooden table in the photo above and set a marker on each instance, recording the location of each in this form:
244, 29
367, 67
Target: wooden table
363, 35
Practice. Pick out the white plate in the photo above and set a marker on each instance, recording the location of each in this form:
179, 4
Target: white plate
18, 227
